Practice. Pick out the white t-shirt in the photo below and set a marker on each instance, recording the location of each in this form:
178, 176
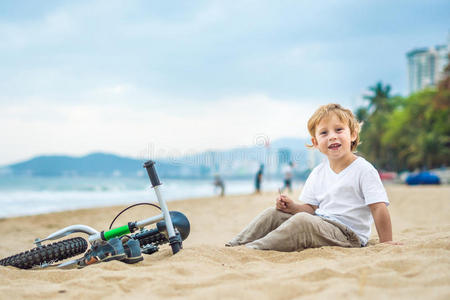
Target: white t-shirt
345, 197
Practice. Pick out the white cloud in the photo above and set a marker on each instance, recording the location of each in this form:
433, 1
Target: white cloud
53, 28
82, 76
130, 129
115, 90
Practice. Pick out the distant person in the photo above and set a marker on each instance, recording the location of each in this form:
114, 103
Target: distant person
339, 201
258, 179
288, 172
219, 184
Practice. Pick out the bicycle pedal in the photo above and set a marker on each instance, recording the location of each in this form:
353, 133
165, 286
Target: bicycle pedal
149, 249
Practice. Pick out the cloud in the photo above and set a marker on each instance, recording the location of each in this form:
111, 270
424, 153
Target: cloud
79, 76
130, 129
213, 49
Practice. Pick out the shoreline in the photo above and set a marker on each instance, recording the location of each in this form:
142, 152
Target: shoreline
54, 198
296, 192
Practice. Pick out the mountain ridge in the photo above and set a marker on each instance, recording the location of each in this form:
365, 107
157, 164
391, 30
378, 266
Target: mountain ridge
236, 162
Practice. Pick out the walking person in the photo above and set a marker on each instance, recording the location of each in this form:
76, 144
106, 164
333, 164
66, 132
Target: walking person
258, 179
288, 172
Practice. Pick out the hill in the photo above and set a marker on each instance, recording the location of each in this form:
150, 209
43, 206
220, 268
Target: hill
234, 163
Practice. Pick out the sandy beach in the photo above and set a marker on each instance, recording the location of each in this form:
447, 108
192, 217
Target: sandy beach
205, 269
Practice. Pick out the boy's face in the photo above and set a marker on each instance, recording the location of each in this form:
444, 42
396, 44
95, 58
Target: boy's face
333, 138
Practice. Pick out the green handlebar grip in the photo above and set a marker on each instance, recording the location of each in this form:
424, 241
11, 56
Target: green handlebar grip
119, 231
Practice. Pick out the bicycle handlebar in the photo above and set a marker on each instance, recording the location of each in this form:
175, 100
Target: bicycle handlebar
150, 166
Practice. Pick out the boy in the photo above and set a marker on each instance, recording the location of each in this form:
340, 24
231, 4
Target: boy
340, 196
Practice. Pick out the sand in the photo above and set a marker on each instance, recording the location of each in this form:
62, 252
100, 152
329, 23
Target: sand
205, 269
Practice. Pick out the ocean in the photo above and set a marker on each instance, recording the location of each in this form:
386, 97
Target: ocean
21, 196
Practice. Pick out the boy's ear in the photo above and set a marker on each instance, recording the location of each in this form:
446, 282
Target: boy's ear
354, 136
314, 141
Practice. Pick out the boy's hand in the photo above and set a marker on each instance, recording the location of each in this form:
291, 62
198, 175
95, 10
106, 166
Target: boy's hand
285, 204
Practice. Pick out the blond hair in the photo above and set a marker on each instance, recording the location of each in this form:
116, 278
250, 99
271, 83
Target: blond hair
345, 115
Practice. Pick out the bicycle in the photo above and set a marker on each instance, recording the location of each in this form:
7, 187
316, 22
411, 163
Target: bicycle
120, 243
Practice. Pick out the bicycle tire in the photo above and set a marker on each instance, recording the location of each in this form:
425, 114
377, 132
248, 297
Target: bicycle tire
46, 254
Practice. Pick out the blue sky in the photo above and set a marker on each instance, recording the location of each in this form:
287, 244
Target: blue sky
185, 76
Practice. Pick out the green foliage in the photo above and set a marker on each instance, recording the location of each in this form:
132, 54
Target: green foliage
406, 132
375, 117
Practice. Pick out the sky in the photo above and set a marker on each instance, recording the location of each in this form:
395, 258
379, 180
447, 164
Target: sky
155, 78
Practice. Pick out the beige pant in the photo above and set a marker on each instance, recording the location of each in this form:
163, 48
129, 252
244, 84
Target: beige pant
276, 230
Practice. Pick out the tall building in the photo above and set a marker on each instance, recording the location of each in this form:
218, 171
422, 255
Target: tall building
426, 66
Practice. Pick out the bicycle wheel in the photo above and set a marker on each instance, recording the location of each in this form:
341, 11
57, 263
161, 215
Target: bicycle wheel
46, 253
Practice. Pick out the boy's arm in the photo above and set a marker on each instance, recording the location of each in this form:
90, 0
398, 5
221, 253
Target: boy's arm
382, 220
309, 208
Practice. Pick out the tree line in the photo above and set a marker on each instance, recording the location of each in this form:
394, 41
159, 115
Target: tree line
407, 133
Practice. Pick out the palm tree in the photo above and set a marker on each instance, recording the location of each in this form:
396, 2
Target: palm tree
378, 101
362, 114
375, 117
